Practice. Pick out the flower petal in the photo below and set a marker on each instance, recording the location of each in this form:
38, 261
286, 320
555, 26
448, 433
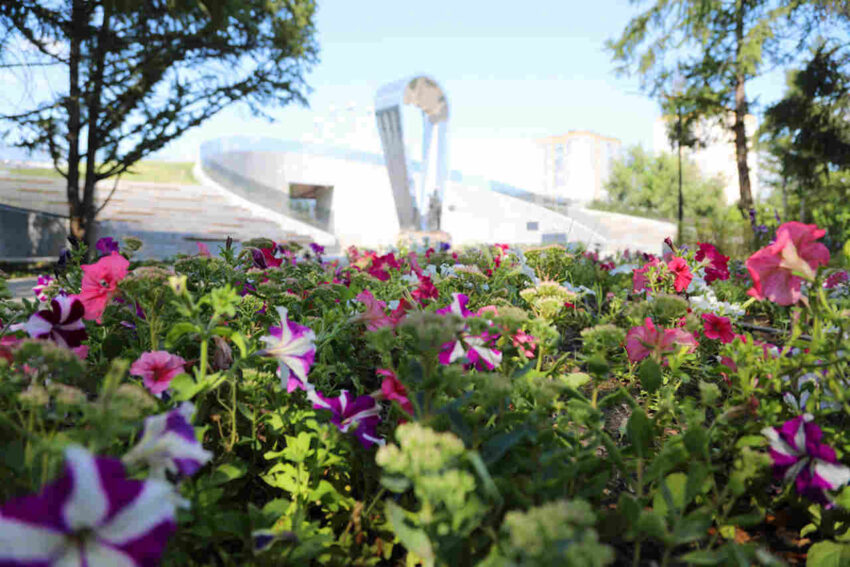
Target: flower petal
88, 502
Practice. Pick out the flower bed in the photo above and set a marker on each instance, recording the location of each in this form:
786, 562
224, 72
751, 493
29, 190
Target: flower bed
437, 407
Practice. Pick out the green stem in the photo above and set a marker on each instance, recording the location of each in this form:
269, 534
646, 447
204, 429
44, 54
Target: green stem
232, 415
374, 501
202, 372
639, 494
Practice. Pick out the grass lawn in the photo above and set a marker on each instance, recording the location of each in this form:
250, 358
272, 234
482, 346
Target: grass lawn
154, 171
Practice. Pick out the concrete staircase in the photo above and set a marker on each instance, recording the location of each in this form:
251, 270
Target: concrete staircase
168, 218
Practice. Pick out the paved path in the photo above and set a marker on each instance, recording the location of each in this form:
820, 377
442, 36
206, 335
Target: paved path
21, 287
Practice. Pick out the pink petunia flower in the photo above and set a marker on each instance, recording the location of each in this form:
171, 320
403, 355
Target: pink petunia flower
800, 457
640, 279
525, 343
374, 316
717, 327
100, 283
794, 251
393, 390
647, 340
203, 250
680, 269
157, 369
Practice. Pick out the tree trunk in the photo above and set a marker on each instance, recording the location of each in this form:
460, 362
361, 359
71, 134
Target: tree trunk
78, 19
93, 101
746, 202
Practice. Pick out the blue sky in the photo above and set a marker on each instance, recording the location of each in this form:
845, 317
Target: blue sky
512, 71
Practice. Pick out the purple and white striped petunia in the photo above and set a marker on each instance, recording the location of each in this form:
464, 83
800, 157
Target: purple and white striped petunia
457, 306
92, 516
41, 286
799, 456
62, 323
478, 349
168, 443
294, 346
360, 415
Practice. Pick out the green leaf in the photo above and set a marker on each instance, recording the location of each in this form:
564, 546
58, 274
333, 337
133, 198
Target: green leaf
843, 498
414, 539
575, 380
239, 341
653, 525
184, 388
696, 441
692, 527
670, 495
178, 330
639, 432
828, 554
650, 375
703, 557
709, 393
228, 472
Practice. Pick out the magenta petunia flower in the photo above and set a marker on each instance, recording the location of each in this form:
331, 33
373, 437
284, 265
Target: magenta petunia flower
800, 457
168, 443
92, 516
647, 340
294, 346
717, 327
640, 279
100, 283
374, 316
834, 279
718, 264
62, 323
773, 268
41, 286
359, 415
203, 250
457, 306
478, 349
392, 389
106, 245
525, 343
157, 369
425, 290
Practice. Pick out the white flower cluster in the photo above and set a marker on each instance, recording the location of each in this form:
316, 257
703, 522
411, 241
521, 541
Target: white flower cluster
708, 302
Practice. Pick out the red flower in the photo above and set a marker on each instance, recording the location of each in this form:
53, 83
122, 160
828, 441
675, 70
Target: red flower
683, 274
716, 327
795, 251
100, 282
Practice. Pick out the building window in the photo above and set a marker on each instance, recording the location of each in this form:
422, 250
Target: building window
532, 225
